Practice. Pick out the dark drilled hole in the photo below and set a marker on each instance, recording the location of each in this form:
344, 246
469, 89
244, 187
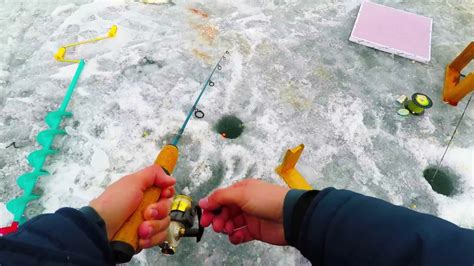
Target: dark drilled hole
229, 126
443, 183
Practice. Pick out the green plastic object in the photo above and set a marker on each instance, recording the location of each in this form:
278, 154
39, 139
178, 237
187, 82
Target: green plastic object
36, 159
403, 112
419, 103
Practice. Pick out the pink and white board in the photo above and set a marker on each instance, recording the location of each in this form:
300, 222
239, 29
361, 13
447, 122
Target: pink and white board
393, 31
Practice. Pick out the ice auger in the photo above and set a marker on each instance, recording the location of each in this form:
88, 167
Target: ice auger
37, 159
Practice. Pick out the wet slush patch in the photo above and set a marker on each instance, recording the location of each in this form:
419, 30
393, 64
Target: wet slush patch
229, 126
443, 183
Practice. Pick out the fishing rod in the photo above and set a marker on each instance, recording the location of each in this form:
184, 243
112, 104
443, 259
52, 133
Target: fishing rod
183, 211
193, 109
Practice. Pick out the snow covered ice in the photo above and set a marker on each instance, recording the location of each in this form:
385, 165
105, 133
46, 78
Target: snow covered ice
292, 77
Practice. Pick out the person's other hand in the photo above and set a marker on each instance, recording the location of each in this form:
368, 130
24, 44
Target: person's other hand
123, 197
248, 210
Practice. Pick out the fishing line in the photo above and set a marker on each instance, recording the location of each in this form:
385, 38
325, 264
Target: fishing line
194, 109
451, 139
239, 228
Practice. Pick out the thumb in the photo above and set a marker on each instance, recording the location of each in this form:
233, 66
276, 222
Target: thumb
162, 179
152, 175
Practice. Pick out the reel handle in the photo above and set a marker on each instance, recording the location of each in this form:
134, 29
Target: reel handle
125, 242
196, 232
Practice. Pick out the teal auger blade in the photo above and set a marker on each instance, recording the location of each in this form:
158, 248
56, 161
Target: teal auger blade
17, 206
53, 119
27, 181
45, 138
36, 159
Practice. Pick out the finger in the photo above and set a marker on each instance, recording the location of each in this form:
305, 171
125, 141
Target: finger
167, 192
224, 196
240, 236
229, 227
219, 221
246, 182
158, 210
148, 229
239, 221
153, 241
206, 218
236, 238
234, 210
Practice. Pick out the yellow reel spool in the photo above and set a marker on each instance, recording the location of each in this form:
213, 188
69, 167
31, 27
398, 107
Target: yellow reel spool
422, 99
181, 203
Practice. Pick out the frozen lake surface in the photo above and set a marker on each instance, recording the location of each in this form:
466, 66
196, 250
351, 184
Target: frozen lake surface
292, 77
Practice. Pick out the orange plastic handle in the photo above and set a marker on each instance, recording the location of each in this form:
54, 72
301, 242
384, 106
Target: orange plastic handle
125, 241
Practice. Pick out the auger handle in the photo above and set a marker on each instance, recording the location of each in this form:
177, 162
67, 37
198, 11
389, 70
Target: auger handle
125, 242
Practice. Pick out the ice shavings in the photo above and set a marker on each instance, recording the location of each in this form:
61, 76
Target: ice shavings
6, 217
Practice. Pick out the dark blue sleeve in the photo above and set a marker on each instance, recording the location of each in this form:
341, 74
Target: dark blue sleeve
68, 236
340, 227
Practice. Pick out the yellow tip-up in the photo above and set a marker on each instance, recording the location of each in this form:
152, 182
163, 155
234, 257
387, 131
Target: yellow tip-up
288, 172
112, 32
60, 54
62, 51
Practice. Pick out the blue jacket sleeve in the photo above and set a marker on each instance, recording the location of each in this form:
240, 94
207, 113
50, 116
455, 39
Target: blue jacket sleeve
340, 227
68, 236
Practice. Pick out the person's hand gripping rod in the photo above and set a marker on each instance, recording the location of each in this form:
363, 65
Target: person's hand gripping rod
125, 242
